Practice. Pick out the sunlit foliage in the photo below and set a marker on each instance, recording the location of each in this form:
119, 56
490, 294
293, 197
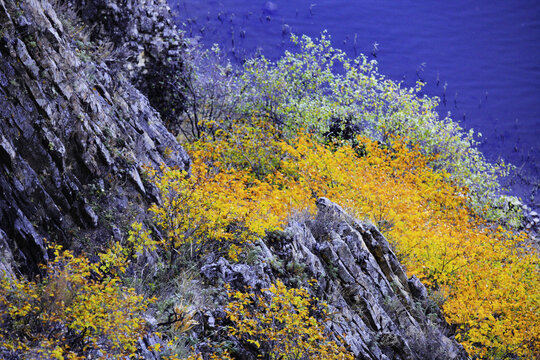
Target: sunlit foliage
219, 354
280, 323
317, 86
250, 179
80, 307
223, 205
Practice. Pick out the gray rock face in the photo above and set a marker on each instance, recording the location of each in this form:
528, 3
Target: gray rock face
379, 312
75, 135
6, 258
152, 47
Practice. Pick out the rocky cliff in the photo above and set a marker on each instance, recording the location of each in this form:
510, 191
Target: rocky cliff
151, 45
378, 311
82, 104
75, 132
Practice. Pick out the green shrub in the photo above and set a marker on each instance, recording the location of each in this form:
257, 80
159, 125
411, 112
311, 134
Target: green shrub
319, 85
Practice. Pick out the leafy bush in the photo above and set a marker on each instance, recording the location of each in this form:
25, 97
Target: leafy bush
319, 89
280, 323
77, 310
490, 279
197, 212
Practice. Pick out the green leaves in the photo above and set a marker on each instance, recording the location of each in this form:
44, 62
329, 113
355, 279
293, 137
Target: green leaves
307, 89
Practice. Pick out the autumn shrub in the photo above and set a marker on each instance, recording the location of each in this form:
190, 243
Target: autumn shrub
487, 275
79, 309
318, 87
199, 211
222, 207
280, 323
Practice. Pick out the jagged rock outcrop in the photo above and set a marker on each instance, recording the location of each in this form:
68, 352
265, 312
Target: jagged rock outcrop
152, 47
379, 312
74, 136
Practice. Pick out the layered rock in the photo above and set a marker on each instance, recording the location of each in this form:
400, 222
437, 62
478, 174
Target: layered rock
378, 311
74, 136
152, 47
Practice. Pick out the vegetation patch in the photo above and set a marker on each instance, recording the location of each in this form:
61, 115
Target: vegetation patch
79, 309
487, 276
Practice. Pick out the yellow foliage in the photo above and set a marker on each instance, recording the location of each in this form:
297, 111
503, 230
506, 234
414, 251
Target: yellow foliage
248, 181
77, 308
184, 318
228, 206
280, 324
218, 355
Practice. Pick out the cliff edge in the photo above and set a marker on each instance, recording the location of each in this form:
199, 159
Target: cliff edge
74, 136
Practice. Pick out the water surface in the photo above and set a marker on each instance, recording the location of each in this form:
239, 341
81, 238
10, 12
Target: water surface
481, 57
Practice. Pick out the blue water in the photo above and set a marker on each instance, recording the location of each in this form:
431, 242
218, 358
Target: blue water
482, 57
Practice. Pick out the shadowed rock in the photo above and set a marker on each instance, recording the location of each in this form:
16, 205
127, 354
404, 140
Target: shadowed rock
75, 134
